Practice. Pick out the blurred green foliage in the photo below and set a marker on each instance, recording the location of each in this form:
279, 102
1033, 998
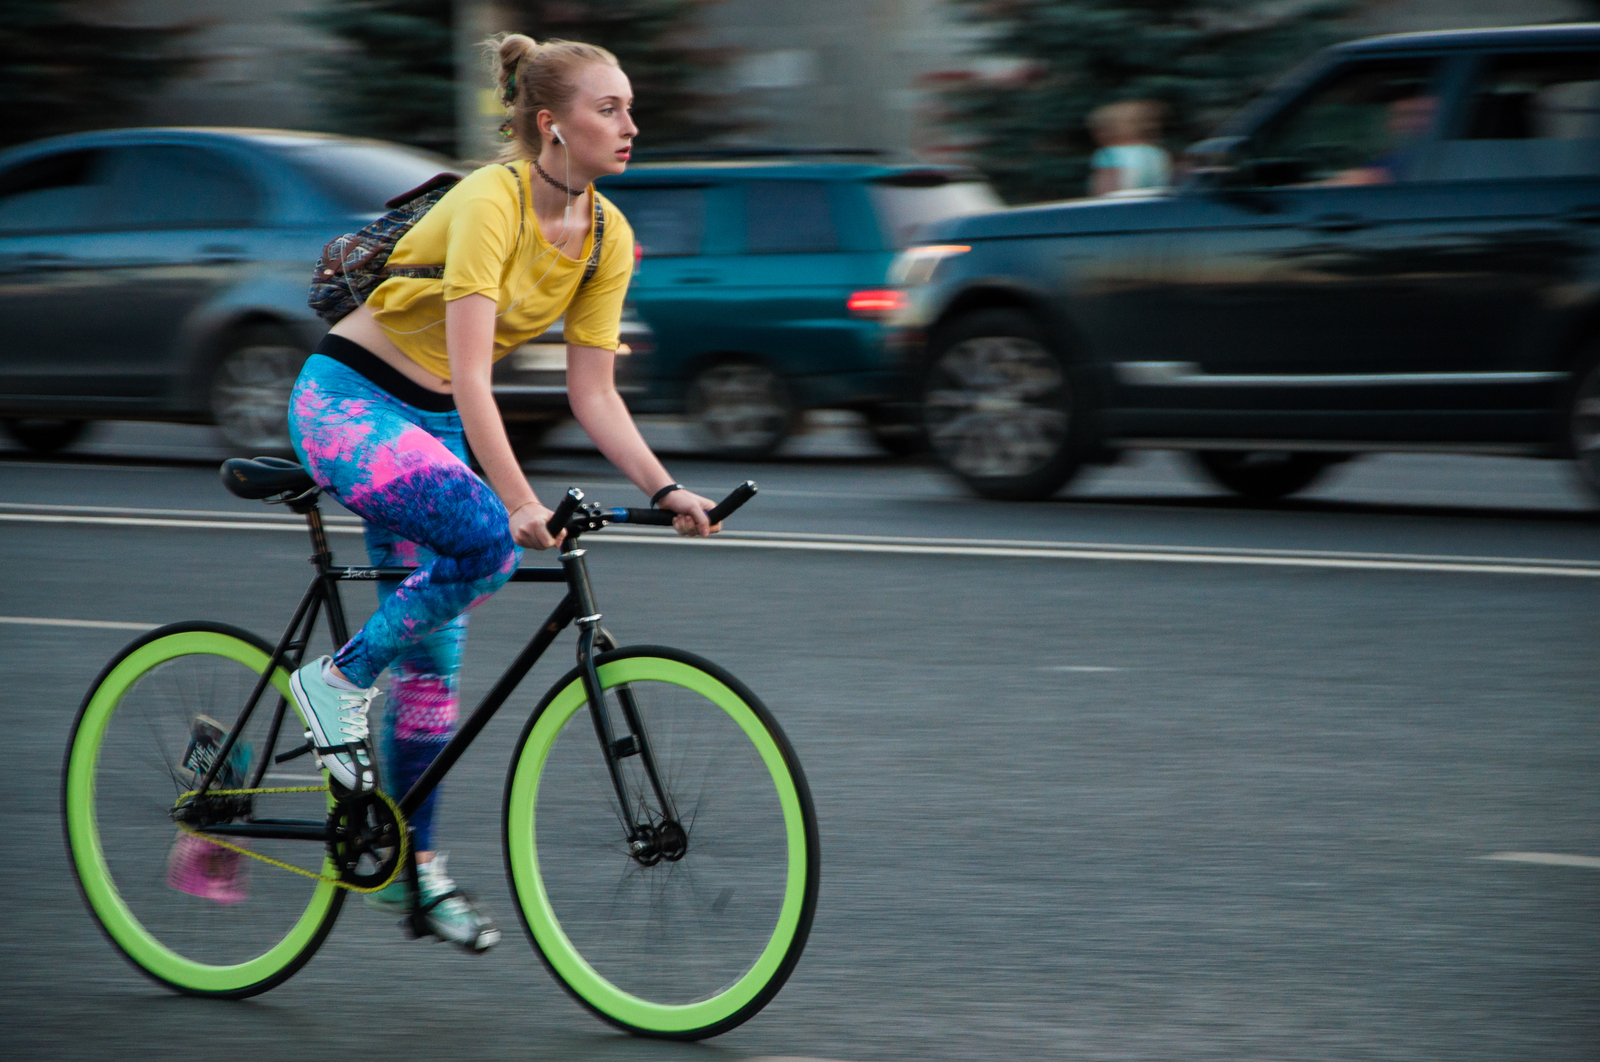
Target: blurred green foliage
1203, 58
396, 77
61, 74
655, 41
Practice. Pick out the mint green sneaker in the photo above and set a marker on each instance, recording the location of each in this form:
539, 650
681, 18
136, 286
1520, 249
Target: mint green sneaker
447, 910
336, 718
394, 898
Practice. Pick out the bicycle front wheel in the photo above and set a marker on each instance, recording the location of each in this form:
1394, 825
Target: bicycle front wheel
200, 917
692, 934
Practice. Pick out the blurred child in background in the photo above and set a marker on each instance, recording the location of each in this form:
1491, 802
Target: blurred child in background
1130, 155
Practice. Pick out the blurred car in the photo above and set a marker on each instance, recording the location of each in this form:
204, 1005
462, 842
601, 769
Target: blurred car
764, 279
1394, 250
161, 274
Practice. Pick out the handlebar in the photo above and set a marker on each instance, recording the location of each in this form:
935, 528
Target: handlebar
596, 517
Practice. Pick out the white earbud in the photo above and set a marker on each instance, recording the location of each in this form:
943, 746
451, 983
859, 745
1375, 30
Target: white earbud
555, 130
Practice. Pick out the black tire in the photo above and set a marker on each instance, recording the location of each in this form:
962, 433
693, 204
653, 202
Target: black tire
155, 890
1265, 475
44, 435
1001, 408
248, 393
681, 944
1583, 419
743, 409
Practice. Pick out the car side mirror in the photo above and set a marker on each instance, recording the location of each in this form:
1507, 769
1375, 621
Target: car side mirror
1222, 163
1215, 163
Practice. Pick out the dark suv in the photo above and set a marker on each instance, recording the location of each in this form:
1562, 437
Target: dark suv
764, 281
1395, 250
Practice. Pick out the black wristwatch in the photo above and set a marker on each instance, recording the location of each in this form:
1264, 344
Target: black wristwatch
655, 499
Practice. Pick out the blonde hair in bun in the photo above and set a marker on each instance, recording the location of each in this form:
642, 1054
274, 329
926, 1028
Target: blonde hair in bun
533, 77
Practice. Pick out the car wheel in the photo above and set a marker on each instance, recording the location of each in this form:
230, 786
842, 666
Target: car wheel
1265, 474
742, 408
44, 435
250, 389
1000, 408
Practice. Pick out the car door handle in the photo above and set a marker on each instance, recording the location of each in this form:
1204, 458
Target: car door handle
696, 278
222, 252
1588, 214
1337, 223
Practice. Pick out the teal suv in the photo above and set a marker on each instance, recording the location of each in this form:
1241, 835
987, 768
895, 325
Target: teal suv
765, 283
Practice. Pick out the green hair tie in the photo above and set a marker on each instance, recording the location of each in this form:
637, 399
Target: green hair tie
511, 89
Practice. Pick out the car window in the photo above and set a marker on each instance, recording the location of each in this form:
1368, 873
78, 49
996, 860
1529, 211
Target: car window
57, 193
361, 178
667, 222
1366, 125
1530, 115
906, 203
789, 217
179, 187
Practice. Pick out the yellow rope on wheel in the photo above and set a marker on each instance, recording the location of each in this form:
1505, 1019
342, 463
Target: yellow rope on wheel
400, 823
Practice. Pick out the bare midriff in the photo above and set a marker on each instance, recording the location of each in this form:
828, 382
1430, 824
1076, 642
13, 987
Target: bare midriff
362, 328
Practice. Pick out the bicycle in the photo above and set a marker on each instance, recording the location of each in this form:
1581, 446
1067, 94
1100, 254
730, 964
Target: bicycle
659, 835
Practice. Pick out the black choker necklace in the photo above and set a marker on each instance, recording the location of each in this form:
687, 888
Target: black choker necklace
553, 181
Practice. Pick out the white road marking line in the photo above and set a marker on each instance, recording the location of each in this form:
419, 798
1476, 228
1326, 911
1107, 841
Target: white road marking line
1080, 667
816, 542
109, 625
1549, 859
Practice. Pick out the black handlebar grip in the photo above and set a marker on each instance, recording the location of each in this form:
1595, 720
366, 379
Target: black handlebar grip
564, 511
725, 508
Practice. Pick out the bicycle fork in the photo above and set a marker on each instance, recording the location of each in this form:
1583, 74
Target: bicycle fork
647, 842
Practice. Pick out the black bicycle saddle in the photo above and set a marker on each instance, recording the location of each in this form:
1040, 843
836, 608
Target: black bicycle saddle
264, 477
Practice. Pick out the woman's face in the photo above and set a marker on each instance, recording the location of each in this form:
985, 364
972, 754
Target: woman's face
597, 126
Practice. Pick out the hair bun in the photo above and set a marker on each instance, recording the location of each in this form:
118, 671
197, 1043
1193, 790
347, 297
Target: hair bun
507, 51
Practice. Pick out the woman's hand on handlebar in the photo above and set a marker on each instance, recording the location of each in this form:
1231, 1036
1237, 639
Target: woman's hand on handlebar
528, 527
691, 509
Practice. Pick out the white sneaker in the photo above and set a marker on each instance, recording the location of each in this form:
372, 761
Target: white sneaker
336, 718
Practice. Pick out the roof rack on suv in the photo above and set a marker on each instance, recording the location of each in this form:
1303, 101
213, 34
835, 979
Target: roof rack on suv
727, 153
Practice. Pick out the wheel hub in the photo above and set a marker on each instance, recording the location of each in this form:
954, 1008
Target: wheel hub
665, 840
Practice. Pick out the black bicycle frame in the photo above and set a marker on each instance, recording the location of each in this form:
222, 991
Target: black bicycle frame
577, 605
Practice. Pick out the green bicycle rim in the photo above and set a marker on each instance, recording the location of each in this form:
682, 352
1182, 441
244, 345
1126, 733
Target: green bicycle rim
83, 836
750, 992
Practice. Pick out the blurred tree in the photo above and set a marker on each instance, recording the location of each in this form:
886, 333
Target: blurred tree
654, 40
1064, 58
395, 77
60, 73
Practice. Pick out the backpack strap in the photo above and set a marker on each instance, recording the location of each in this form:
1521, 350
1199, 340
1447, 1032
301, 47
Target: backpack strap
599, 234
522, 204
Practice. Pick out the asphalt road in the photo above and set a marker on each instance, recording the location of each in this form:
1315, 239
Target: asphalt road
1138, 773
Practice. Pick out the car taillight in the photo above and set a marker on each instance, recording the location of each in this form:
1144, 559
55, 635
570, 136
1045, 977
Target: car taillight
638, 256
877, 302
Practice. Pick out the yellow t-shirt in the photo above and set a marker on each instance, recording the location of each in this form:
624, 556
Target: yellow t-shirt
472, 230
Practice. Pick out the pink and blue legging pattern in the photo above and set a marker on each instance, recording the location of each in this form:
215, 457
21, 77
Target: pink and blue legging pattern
403, 470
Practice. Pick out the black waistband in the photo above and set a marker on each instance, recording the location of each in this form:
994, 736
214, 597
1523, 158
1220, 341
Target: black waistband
382, 375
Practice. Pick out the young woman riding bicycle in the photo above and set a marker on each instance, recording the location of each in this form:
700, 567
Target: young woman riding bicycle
386, 407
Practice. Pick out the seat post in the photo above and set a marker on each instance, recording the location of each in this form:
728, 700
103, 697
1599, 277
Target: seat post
322, 556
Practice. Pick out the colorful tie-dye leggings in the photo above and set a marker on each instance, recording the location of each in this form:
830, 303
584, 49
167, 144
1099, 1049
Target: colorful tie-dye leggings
404, 471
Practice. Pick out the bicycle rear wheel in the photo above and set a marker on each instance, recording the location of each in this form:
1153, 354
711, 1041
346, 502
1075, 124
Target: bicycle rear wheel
697, 941
201, 918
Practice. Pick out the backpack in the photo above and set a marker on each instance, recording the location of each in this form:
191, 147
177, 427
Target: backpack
354, 264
